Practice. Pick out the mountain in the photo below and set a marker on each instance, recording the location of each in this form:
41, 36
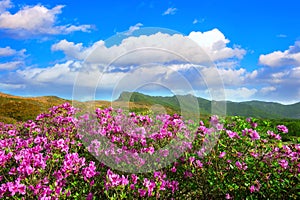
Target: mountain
15, 108
277, 109
171, 104
257, 109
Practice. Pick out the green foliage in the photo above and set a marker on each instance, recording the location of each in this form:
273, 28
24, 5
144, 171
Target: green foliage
257, 109
238, 165
292, 124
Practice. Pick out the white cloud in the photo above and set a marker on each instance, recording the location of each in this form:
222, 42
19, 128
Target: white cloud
75, 51
295, 73
252, 75
4, 5
210, 46
240, 94
133, 28
290, 57
176, 77
36, 20
170, 11
268, 89
59, 73
71, 49
283, 72
227, 64
157, 58
11, 65
196, 21
230, 77
215, 44
236, 94
278, 77
72, 28
8, 86
147, 59
7, 51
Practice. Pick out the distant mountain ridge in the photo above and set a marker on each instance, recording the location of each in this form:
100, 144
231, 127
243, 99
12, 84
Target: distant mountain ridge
15, 108
258, 109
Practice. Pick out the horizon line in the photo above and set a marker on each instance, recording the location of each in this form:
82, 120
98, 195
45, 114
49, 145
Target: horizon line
71, 99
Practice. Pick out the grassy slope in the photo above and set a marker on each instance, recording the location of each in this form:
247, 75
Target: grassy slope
15, 108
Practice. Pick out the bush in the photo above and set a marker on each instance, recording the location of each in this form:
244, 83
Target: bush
54, 157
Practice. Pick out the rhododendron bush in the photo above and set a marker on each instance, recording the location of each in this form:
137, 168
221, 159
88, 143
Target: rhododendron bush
117, 155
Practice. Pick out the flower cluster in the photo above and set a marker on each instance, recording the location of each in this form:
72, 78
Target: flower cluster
61, 156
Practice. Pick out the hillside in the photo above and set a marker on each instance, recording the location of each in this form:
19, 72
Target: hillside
277, 109
15, 108
258, 109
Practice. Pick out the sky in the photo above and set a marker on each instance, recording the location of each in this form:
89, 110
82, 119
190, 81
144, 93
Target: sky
217, 49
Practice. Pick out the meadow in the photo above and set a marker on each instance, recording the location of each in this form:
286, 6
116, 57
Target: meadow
112, 154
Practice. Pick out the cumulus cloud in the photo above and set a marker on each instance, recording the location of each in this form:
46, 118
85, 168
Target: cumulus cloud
289, 57
170, 11
280, 75
189, 78
171, 61
59, 73
198, 47
71, 49
215, 44
36, 20
158, 58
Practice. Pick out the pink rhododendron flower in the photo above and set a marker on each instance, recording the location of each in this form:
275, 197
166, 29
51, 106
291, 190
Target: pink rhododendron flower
232, 134
282, 129
283, 163
252, 189
199, 164
134, 178
90, 171
254, 135
191, 160
227, 196
241, 166
222, 154
142, 192
173, 169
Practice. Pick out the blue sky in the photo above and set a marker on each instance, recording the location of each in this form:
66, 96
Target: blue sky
84, 49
